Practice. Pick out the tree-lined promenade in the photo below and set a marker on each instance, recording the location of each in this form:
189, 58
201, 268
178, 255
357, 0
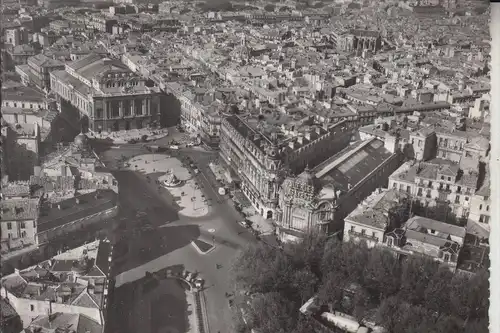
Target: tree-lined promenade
414, 294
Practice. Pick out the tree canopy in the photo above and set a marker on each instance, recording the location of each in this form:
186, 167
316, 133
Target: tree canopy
410, 294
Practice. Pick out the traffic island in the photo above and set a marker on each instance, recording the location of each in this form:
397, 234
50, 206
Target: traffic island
202, 247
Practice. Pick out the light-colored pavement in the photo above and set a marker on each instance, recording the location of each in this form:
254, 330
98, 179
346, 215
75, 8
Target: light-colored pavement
169, 242
125, 136
188, 195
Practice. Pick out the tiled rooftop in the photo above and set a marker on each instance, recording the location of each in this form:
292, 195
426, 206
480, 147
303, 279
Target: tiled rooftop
90, 203
19, 209
65, 278
373, 211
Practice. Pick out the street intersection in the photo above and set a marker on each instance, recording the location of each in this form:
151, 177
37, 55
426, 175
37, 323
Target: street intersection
162, 237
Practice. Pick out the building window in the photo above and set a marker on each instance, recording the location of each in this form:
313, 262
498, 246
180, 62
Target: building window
487, 208
442, 177
23, 234
389, 241
352, 228
408, 189
446, 257
457, 199
373, 234
23, 225
480, 207
449, 179
9, 225
32, 307
363, 231
466, 198
430, 184
394, 185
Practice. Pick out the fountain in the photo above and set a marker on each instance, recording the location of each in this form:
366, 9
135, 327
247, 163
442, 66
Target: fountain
170, 179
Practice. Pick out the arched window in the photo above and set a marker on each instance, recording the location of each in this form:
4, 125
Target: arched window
323, 211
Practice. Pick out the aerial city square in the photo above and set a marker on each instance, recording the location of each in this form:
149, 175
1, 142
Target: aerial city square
230, 166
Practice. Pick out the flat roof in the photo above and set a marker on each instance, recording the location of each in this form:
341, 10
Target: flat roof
71, 210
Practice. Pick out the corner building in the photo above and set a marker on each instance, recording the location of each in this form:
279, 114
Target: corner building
105, 95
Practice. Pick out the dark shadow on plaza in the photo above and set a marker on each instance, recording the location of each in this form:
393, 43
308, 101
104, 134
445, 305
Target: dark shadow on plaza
138, 246
128, 310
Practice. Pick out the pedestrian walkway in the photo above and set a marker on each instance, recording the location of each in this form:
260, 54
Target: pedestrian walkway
120, 137
188, 194
259, 223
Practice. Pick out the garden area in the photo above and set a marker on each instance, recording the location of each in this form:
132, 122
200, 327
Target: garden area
410, 294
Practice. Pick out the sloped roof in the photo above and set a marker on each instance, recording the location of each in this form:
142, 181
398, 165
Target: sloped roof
19, 209
79, 323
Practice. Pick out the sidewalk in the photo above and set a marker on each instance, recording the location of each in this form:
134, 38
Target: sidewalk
188, 194
121, 137
259, 223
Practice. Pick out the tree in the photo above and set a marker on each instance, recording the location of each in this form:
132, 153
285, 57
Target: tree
381, 276
478, 288
309, 251
272, 313
269, 8
477, 326
331, 291
396, 316
416, 272
361, 303
303, 285
346, 261
305, 325
437, 293
260, 268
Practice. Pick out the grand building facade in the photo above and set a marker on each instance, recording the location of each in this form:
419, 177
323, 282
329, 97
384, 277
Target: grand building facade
261, 160
106, 95
321, 197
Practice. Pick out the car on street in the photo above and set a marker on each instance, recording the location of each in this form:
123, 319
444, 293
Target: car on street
247, 224
198, 283
174, 147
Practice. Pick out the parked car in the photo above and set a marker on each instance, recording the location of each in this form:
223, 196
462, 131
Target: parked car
198, 283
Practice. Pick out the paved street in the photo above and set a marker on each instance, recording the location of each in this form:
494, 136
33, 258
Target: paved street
168, 241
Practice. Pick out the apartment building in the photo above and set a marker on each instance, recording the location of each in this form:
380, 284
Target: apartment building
257, 151
73, 284
437, 181
382, 220
37, 71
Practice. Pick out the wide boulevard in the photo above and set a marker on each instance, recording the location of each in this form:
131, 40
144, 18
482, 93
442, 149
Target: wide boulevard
161, 237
